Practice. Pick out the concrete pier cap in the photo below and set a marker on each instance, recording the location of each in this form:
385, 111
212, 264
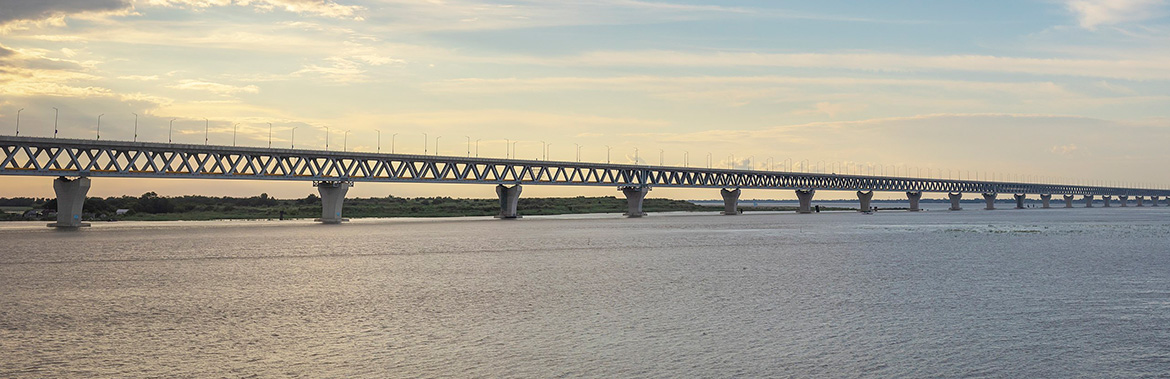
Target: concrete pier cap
1088, 201
1046, 200
1153, 201
1068, 201
956, 198
865, 199
70, 201
1020, 197
1105, 200
332, 200
730, 201
509, 199
805, 197
914, 197
1124, 200
989, 197
1141, 200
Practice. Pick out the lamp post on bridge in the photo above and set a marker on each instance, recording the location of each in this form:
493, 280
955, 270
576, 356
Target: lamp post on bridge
99, 126
292, 140
171, 130
514, 149
18, 121
607, 150
234, 129
269, 135
477, 148
635, 155
468, 146
379, 140
437, 145
708, 160
661, 157
578, 150
686, 159
135, 126
206, 127
507, 148
392, 137
345, 142
326, 136
543, 149
56, 113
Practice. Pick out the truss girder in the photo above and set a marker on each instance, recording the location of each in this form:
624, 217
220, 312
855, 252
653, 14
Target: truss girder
34, 156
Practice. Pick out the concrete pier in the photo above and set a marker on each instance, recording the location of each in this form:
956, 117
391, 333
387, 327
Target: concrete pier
1153, 201
332, 199
634, 197
914, 197
1141, 201
1046, 201
1124, 200
70, 201
865, 198
730, 201
1088, 201
509, 198
1020, 197
805, 196
955, 199
1068, 201
1105, 200
990, 199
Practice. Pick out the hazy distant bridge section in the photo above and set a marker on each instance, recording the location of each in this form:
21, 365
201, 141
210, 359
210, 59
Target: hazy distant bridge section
333, 172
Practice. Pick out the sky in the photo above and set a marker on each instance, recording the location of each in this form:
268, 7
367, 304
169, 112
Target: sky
1071, 91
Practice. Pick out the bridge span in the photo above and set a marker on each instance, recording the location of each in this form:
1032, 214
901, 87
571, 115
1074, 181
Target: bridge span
333, 172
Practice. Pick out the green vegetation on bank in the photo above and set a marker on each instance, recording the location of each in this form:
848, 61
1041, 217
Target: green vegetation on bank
152, 207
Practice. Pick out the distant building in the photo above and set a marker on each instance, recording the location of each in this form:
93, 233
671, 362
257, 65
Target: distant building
121, 212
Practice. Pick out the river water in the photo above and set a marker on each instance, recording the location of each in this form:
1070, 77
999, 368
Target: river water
1005, 293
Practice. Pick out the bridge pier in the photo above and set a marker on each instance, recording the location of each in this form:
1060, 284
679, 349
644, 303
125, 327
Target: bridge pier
805, 196
1068, 201
914, 197
1105, 199
865, 198
332, 199
1153, 201
1088, 201
1046, 201
70, 201
634, 197
990, 199
1141, 201
509, 198
730, 201
955, 199
1124, 200
1020, 197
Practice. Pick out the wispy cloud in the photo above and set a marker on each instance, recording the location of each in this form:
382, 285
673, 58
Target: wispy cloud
215, 88
324, 8
1094, 13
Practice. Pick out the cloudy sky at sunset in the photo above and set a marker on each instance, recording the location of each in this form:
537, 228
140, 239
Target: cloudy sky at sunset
1054, 90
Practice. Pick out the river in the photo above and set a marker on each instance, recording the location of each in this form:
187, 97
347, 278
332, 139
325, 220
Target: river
1005, 293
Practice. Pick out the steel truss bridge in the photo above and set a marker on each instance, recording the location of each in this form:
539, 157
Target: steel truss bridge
36, 156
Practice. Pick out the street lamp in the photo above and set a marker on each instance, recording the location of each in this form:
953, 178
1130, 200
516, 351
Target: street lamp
636, 155
477, 148
425, 143
135, 126
507, 148
206, 126
661, 157
18, 121
514, 149
578, 151
686, 159
543, 148
468, 146
392, 138
607, 150
345, 141
269, 135
708, 160
99, 126
326, 137
234, 129
437, 145
170, 129
56, 112
292, 138
379, 140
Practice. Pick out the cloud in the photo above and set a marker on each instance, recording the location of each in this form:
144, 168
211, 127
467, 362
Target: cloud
215, 88
1064, 150
139, 77
37, 10
323, 8
1093, 13
830, 109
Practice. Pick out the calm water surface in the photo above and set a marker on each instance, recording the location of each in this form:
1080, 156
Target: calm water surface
1006, 293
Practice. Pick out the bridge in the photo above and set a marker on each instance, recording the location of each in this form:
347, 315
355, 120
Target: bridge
75, 161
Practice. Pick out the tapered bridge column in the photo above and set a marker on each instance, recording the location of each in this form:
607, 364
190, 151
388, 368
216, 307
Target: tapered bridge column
914, 197
1088, 201
1141, 201
1105, 200
865, 198
634, 197
70, 201
1046, 201
1153, 201
1068, 200
509, 198
805, 197
990, 199
1124, 200
955, 199
332, 199
1020, 197
730, 201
